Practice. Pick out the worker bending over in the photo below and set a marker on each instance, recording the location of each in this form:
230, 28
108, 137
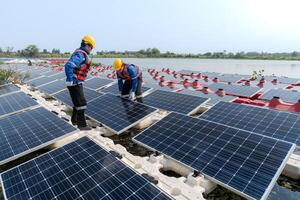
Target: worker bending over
76, 70
129, 80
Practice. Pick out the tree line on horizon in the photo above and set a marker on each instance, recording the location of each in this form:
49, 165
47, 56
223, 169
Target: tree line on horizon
32, 51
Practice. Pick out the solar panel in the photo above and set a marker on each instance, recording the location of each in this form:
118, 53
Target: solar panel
40, 81
15, 102
272, 123
114, 89
289, 96
230, 77
64, 96
238, 90
213, 98
8, 88
59, 75
288, 80
97, 83
173, 101
78, 170
242, 161
53, 87
29, 131
116, 113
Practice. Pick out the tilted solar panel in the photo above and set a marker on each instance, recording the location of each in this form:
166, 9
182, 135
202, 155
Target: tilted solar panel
8, 88
271, 123
289, 96
97, 83
64, 96
173, 101
242, 161
78, 170
40, 81
238, 90
28, 131
213, 98
116, 113
15, 102
53, 87
114, 89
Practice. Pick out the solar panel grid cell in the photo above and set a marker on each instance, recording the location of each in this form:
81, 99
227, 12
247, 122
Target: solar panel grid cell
238, 90
286, 95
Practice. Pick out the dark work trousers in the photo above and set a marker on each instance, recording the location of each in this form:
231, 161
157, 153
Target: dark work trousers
127, 87
79, 102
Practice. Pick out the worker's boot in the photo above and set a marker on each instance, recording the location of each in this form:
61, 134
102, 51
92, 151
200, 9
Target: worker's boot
74, 116
81, 121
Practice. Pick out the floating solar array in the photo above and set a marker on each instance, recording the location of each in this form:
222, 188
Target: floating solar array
213, 98
28, 131
97, 83
272, 123
53, 87
114, 89
289, 96
78, 170
242, 161
64, 96
173, 101
40, 81
8, 88
238, 90
116, 113
15, 102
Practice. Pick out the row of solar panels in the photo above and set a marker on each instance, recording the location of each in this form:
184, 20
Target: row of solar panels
81, 169
233, 78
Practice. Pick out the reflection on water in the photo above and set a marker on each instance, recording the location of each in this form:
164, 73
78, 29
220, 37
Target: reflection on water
279, 68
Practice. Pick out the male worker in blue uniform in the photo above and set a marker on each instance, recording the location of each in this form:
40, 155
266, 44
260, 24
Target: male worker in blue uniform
76, 70
129, 80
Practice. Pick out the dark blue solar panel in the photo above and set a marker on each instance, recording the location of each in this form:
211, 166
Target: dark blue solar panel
53, 87
272, 123
15, 102
114, 89
173, 101
116, 113
79, 170
29, 130
238, 90
8, 88
239, 160
64, 96
97, 83
40, 81
213, 98
289, 96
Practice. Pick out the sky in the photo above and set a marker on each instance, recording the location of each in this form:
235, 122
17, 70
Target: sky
181, 26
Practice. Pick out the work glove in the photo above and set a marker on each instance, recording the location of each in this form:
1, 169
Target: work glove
132, 96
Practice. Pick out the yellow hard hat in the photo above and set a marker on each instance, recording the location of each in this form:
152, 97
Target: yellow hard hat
89, 39
118, 64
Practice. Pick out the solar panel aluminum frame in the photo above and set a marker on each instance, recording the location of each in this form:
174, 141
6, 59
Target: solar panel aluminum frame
268, 190
128, 127
104, 148
37, 147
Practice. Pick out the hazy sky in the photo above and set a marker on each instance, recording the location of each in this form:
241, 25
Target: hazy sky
189, 26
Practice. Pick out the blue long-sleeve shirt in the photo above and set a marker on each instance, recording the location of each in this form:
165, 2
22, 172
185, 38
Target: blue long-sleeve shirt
75, 62
133, 73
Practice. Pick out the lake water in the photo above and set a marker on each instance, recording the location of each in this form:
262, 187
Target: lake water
278, 68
